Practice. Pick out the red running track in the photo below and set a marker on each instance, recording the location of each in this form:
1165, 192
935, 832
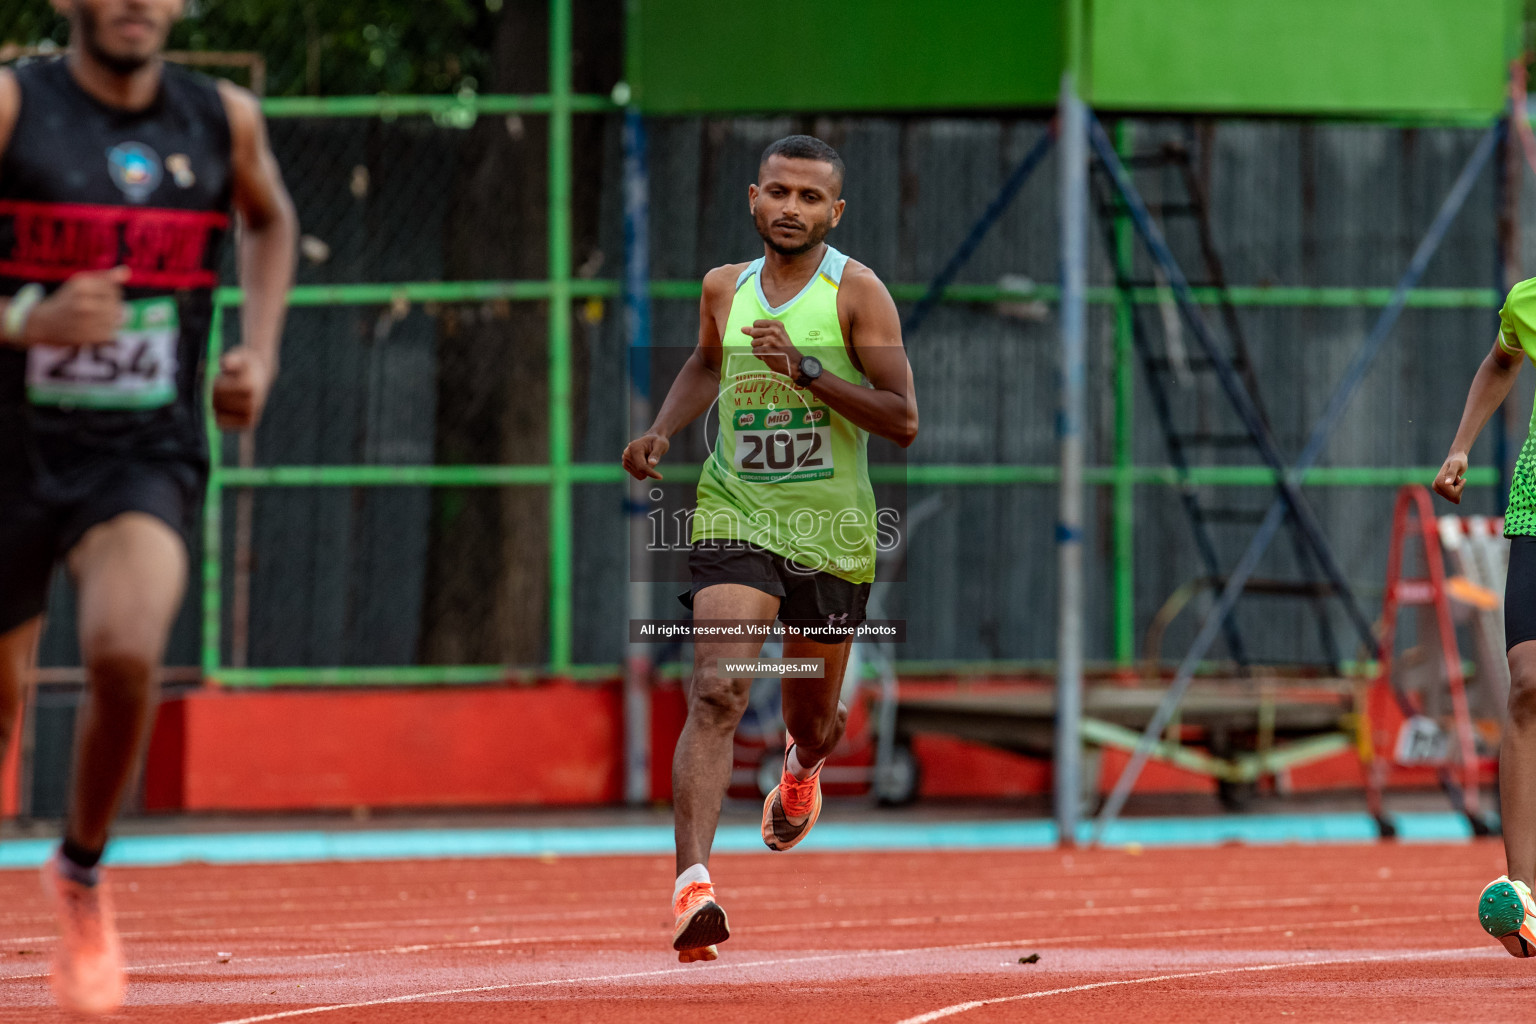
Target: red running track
1293, 933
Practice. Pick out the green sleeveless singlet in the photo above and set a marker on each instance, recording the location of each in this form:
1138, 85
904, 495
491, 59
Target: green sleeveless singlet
787, 473
1517, 334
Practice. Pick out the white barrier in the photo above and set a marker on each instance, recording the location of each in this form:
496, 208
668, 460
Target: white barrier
1475, 548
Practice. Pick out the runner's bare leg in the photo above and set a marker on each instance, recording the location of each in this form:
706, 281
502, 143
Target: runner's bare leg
18, 660
701, 767
130, 573
813, 715
1517, 766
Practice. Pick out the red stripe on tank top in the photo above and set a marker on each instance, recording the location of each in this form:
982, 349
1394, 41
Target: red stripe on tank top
164, 248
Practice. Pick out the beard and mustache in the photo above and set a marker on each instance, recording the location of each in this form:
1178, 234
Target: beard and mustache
117, 63
814, 234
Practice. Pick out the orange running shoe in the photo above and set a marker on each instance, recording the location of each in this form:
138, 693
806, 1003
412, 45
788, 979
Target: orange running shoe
87, 969
792, 797
700, 923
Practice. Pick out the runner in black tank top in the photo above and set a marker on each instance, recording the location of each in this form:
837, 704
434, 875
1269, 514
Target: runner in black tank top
87, 187
118, 178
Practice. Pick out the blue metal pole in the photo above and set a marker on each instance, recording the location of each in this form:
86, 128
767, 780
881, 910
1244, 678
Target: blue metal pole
1276, 515
1237, 393
213, 518
973, 239
1506, 190
1072, 123
637, 329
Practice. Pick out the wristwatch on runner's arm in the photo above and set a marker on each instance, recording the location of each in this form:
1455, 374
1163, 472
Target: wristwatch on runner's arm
810, 369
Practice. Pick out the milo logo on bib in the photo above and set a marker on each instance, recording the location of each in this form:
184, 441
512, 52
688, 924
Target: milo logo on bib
135, 370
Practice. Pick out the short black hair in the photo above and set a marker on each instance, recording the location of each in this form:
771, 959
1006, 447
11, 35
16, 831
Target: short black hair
805, 147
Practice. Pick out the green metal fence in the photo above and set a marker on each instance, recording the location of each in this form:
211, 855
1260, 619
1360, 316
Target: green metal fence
558, 472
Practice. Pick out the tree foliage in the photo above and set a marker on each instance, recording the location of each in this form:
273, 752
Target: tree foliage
322, 47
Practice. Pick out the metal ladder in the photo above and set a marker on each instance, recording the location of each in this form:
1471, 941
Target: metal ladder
1163, 368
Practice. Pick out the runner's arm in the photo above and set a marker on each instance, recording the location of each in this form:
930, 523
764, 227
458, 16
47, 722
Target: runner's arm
10, 108
889, 408
1492, 384
267, 240
88, 307
696, 388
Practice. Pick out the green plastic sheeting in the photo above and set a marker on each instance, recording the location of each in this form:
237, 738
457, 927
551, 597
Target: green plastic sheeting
1344, 57
1347, 58
704, 56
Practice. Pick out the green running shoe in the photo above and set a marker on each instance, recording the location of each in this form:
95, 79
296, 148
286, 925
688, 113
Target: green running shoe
1508, 913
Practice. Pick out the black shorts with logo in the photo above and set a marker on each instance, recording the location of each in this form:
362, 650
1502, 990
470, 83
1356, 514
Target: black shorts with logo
42, 518
1520, 592
808, 599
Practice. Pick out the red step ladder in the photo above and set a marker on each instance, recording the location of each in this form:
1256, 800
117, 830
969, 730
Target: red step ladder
1395, 731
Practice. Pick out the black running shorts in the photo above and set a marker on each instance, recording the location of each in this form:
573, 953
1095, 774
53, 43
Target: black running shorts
1520, 592
808, 599
42, 519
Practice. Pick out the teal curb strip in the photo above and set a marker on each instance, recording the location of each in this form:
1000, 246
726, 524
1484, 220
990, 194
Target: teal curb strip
431, 844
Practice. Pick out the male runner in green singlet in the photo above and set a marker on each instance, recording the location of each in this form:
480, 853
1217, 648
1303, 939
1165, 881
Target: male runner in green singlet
1505, 907
785, 525
118, 176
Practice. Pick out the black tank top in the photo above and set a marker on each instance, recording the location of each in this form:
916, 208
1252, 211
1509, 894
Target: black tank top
85, 186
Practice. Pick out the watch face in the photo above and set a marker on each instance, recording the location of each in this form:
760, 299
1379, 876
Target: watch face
810, 366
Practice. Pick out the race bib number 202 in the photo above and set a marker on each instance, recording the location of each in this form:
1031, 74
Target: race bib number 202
780, 445
135, 370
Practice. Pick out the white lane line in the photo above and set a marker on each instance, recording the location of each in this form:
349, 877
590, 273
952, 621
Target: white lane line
633, 933
1364, 892
876, 953
420, 947
1108, 910
414, 996
339, 926
975, 1004
1061, 940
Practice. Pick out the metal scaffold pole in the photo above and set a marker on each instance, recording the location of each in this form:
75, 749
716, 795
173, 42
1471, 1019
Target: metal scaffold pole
213, 519
560, 526
637, 324
1124, 493
1072, 126
1321, 432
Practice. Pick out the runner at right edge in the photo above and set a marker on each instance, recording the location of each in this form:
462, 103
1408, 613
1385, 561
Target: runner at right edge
1505, 907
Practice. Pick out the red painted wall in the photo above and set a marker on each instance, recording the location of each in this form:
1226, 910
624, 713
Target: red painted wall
668, 713
957, 768
9, 783
556, 743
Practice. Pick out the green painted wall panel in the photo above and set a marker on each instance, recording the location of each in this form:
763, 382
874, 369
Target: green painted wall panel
1347, 57
1390, 58
705, 56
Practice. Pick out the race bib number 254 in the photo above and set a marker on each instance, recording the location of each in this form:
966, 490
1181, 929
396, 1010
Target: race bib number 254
135, 370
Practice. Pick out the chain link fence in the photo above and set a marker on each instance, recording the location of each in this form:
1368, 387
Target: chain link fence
455, 571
